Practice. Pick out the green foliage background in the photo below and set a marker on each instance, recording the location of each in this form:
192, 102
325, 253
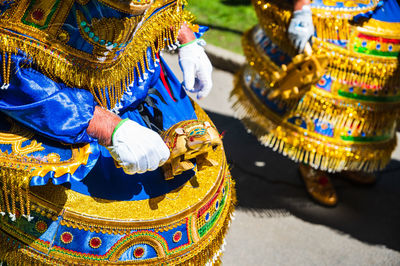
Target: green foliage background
227, 19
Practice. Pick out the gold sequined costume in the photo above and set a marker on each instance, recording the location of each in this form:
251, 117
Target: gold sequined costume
346, 120
63, 201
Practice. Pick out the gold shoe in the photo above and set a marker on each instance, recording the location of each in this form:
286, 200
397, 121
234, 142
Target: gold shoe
361, 178
318, 185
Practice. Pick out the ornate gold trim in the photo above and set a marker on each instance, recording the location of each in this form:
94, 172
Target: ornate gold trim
78, 69
325, 153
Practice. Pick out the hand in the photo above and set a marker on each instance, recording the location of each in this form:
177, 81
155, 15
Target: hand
301, 28
136, 148
196, 68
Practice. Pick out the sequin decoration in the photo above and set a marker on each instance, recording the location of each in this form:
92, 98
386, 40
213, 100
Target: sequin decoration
216, 205
41, 226
95, 242
138, 252
207, 217
177, 236
66, 237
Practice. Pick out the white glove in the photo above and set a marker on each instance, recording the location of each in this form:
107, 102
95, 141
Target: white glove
136, 148
196, 68
301, 28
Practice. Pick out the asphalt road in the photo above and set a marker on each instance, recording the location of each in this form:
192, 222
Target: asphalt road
277, 224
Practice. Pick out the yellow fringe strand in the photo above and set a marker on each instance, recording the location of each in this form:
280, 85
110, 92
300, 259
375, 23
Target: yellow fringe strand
14, 252
325, 153
155, 33
344, 66
14, 188
330, 23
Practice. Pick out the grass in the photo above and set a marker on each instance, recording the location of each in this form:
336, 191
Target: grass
227, 19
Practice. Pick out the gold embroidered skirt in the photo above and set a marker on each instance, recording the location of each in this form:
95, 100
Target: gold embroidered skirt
345, 121
55, 225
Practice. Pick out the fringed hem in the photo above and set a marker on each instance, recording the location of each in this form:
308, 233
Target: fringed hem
106, 81
208, 251
320, 152
330, 23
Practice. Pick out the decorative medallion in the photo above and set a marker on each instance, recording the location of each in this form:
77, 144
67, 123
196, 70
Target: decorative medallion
66, 237
216, 204
95, 242
138, 252
177, 236
207, 217
41, 226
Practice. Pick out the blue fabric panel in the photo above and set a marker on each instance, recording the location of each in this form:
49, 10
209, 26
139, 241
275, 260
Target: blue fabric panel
202, 30
149, 252
168, 236
390, 11
323, 128
81, 238
46, 106
108, 182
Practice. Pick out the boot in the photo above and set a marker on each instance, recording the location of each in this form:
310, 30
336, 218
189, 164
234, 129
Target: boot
318, 185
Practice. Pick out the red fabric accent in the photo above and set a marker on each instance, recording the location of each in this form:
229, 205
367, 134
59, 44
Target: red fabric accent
162, 76
380, 39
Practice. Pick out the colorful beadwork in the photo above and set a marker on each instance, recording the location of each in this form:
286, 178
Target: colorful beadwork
95, 242
41, 226
138, 252
177, 236
342, 122
66, 237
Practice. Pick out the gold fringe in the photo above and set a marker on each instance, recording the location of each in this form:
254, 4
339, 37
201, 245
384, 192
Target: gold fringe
352, 68
329, 23
344, 66
14, 252
327, 154
15, 188
162, 28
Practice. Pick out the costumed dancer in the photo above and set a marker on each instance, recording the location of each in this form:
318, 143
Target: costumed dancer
104, 159
334, 107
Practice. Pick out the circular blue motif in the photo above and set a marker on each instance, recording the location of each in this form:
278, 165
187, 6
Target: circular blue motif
378, 46
364, 91
207, 217
86, 29
223, 191
390, 47
83, 23
364, 44
217, 204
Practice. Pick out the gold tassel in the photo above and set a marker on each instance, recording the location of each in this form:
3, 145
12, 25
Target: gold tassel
15, 187
328, 154
14, 252
98, 78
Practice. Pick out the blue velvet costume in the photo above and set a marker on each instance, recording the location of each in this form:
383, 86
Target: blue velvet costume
96, 213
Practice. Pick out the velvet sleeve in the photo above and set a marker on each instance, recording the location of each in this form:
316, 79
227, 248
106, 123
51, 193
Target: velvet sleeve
52, 109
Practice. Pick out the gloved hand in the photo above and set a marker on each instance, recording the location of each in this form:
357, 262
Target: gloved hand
301, 28
136, 148
196, 68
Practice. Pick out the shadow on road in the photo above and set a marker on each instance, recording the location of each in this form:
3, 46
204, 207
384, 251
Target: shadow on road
369, 214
